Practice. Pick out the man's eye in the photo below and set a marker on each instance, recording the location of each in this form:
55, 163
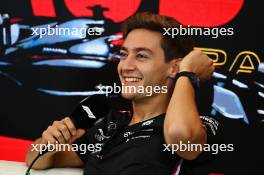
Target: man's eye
123, 54
142, 56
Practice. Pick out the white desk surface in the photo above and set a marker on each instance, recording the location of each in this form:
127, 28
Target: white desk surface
19, 168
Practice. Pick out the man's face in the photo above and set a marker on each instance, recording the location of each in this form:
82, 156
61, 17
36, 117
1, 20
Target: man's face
142, 62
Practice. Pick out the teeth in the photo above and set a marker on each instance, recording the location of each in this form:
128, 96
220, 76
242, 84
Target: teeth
132, 79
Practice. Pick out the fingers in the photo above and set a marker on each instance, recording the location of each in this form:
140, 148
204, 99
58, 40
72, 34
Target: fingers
47, 137
79, 133
207, 68
210, 62
211, 67
57, 134
199, 63
64, 132
208, 74
70, 125
60, 131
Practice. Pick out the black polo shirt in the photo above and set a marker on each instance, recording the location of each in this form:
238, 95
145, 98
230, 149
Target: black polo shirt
127, 150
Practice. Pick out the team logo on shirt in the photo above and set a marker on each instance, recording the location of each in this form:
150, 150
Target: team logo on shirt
100, 136
88, 111
140, 134
146, 123
210, 123
111, 126
126, 134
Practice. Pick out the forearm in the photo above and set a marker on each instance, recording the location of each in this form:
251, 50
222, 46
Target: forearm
44, 162
182, 122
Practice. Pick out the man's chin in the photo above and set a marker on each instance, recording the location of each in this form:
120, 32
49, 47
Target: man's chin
130, 96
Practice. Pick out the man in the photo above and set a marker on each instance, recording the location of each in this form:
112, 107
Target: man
136, 146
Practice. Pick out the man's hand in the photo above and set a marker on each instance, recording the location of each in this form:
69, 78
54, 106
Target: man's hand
199, 63
62, 132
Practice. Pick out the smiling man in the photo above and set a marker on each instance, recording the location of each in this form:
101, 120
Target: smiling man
136, 142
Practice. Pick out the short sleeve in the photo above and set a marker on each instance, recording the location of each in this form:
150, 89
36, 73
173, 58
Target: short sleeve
211, 126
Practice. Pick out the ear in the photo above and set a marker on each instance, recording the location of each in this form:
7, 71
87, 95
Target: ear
174, 67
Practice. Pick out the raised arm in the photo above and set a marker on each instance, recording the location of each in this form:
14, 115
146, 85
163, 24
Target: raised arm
182, 120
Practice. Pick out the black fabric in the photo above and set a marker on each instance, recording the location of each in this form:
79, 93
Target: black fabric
211, 126
129, 150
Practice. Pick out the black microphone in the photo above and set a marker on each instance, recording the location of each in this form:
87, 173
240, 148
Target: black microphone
89, 110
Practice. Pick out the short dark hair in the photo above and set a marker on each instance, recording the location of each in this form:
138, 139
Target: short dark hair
176, 47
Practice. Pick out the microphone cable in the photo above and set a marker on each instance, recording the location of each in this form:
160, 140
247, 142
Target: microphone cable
34, 160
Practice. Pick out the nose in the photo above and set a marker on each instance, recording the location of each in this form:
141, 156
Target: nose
128, 63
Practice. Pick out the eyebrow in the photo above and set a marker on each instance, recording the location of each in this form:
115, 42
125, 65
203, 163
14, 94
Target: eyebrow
137, 49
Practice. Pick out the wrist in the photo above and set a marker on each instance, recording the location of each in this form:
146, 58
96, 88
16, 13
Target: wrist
185, 69
191, 76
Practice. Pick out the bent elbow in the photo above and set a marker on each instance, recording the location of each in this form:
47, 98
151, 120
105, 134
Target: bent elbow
175, 135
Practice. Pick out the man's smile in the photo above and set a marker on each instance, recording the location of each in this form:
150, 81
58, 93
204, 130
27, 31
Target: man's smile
132, 79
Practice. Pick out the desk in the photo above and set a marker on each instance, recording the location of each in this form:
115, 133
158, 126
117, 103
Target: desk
19, 168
